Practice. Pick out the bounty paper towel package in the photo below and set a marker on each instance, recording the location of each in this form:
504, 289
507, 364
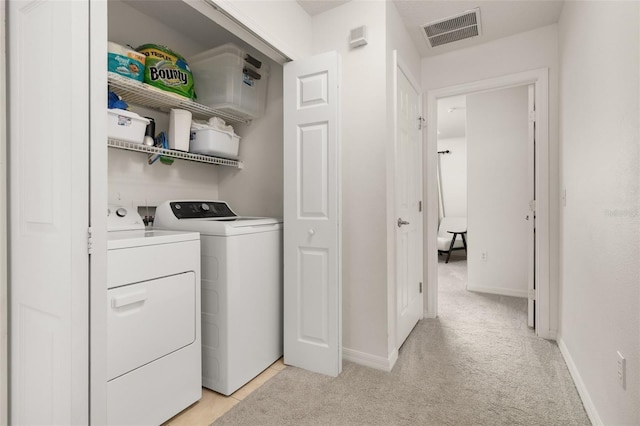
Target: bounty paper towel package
167, 70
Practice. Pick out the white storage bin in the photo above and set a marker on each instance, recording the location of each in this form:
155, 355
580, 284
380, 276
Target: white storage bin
126, 125
214, 142
230, 80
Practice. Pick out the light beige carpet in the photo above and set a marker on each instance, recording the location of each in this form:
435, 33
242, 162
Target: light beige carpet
477, 364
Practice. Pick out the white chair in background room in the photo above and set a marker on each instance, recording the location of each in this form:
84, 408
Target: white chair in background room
452, 235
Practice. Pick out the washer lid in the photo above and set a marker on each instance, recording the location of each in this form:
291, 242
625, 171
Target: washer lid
225, 227
140, 238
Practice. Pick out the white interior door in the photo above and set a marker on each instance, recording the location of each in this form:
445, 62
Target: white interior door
48, 210
408, 220
312, 270
531, 217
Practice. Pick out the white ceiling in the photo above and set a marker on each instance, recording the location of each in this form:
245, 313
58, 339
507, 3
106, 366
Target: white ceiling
452, 117
499, 18
315, 7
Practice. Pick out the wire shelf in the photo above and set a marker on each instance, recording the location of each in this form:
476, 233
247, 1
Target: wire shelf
143, 94
152, 150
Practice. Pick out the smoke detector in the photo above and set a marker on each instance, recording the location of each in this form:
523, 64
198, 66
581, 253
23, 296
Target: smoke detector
454, 28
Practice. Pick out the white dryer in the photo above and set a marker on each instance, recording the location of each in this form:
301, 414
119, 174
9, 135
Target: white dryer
241, 289
153, 321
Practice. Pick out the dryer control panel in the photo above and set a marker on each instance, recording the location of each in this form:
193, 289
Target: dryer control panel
201, 209
120, 218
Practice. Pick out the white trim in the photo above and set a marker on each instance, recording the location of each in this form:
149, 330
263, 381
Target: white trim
98, 196
540, 78
392, 321
4, 314
498, 290
227, 15
589, 406
368, 360
428, 314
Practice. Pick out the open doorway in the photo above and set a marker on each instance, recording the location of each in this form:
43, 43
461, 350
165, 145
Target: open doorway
540, 271
485, 188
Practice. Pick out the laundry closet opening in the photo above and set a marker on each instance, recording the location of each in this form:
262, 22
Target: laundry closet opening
213, 165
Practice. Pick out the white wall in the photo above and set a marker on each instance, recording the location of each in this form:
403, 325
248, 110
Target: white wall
498, 192
600, 242
257, 189
453, 171
364, 126
522, 52
130, 26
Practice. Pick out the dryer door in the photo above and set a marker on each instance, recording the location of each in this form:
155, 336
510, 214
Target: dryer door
149, 320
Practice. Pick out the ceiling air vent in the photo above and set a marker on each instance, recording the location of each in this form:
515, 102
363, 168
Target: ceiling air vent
453, 28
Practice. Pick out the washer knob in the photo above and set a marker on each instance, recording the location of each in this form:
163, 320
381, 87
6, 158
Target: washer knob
205, 207
121, 212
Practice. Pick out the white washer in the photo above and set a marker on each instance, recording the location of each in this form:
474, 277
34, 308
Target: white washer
241, 289
153, 327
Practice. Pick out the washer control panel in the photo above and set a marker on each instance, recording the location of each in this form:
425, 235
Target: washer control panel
201, 209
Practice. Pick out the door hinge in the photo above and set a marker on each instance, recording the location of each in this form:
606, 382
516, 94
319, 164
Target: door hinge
420, 287
532, 205
419, 206
532, 116
90, 240
532, 294
420, 121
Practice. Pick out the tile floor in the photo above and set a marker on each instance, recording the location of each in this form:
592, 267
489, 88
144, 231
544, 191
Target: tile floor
213, 405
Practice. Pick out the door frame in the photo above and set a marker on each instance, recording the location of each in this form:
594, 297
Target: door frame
98, 196
398, 65
4, 314
543, 295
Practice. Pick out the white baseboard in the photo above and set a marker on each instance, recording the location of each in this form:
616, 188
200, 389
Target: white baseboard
577, 379
498, 290
368, 360
548, 334
428, 314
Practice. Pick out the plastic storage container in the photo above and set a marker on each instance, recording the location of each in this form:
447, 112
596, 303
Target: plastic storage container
214, 142
126, 125
228, 79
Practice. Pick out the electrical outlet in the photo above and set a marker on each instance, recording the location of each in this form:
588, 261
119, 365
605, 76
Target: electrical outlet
622, 370
483, 256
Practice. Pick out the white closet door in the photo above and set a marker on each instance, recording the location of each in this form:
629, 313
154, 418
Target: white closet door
48, 58
312, 272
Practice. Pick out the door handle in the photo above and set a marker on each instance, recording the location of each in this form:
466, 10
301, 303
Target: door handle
402, 222
128, 299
